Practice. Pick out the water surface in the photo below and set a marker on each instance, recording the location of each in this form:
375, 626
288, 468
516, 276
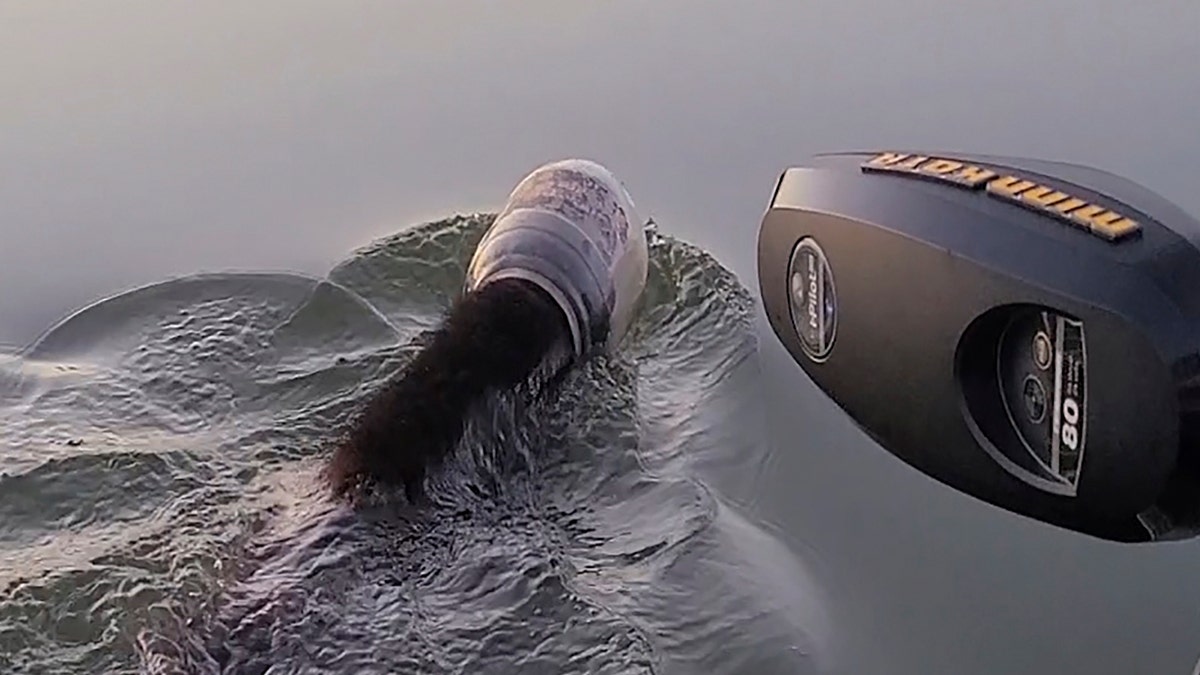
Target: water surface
164, 511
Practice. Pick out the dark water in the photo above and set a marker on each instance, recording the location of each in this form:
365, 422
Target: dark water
162, 510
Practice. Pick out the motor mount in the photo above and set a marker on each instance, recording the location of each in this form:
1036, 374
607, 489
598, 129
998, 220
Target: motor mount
1027, 332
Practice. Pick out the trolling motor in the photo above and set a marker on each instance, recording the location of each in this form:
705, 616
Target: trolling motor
1027, 332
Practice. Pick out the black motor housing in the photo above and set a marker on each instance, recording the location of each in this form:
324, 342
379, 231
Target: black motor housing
1024, 331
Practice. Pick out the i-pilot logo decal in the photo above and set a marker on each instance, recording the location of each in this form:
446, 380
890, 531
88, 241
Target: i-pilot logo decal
812, 299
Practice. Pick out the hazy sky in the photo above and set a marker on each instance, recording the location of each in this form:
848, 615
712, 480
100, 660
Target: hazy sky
144, 139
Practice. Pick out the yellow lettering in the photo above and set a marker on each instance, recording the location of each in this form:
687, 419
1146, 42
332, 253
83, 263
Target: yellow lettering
1096, 219
939, 167
911, 163
974, 176
1068, 206
886, 159
1118, 228
1104, 223
1009, 186
1083, 216
1043, 196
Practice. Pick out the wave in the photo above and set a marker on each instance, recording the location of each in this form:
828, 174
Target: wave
164, 512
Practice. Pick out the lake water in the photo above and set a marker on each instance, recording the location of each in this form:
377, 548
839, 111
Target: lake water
141, 141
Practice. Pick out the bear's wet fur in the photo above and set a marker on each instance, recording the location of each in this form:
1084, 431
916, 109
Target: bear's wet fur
492, 338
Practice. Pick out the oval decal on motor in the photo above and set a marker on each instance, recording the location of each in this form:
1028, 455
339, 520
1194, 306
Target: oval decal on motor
812, 299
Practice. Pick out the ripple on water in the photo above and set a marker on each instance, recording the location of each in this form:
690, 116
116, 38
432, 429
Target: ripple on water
162, 510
